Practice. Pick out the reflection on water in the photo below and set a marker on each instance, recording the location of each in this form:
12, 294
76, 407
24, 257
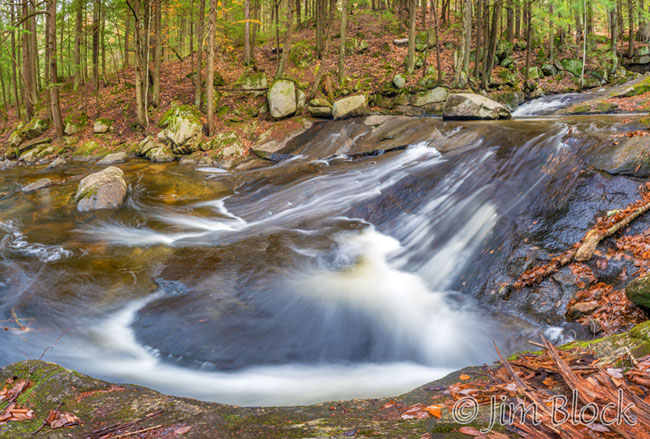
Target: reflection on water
320, 278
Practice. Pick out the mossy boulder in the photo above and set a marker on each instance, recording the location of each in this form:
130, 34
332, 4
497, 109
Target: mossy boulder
549, 70
504, 49
320, 108
75, 123
435, 96
27, 131
302, 54
101, 126
509, 99
254, 81
573, 66
105, 189
638, 291
228, 144
85, 151
428, 82
182, 128
154, 150
282, 99
507, 61
399, 81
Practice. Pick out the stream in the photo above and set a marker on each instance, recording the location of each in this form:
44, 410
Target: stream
322, 277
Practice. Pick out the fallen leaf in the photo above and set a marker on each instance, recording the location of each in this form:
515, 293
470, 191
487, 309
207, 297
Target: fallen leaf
183, 430
434, 410
464, 377
470, 431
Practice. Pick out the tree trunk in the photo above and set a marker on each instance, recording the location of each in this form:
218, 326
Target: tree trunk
247, 32
410, 57
494, 36
27, 67
528, 32
198, 78
13, 63
96, 15
584, 46
435, 17
467, 40
127, 28
510, 32
157, 52
551, 36
210, 73
477, 50
286, 45
344, 24
55, 107
630, 16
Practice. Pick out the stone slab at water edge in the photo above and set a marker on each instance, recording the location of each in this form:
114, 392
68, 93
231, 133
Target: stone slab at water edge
102, 190
468, 106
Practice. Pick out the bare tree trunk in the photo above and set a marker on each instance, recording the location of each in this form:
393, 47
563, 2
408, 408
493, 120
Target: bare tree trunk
247, 32
410, 57
157, 52
198, 78
127, 29
57, 120
344, 24
630, 16
494, 36
95, 43
210, 73
477, 50
13, 63
434, 11
510, 32
27, 67
467, 40
528, 21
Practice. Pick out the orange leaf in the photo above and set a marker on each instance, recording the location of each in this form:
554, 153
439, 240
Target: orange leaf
464, 377
434, 410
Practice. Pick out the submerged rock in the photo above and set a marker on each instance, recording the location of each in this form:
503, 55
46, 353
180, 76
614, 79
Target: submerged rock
102, 190
352, 106
468, 106
38, 184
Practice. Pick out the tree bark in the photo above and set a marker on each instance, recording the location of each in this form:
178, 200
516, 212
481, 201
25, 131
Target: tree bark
410, 57
630, 16
198, 77
13, 64
286, 46
27, 67
344, 24
494, 36
55, 106
157, 52
510, 27
247, 32
96, 16
210, 74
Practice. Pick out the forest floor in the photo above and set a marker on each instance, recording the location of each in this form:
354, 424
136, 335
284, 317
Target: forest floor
368, 71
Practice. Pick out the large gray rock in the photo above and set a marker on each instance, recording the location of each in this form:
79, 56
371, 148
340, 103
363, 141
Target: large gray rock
182, 128
154, 150
110, 159
434, 96
282, 99
256, 82
102, 190
351, 106
468, 106
102, 126
75, 123
27, 131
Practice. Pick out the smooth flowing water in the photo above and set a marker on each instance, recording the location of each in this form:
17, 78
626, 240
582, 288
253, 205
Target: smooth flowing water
322, 277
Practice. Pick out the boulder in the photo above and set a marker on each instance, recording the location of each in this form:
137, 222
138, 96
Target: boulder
102, 126
351, 106
27, 131
228, 144
468, 106
534, 73
507, 61
301, 101
21, 149
321, 112
254, 82
399, 81
154, 150
573, 66
75, 123
182, 128
434, 96
38, 184
549, 70
102, 190
504, 49
57, 163
282, 99
638, 291
116, 157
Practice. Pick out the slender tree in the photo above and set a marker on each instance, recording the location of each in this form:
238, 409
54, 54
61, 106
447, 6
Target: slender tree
210, 74
344, 23
410, 57
198, 77
55, 107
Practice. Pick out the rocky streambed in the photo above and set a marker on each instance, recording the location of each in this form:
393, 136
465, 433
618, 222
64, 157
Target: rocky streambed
361, 259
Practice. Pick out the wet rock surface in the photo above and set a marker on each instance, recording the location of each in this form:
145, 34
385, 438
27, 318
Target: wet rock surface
102, 190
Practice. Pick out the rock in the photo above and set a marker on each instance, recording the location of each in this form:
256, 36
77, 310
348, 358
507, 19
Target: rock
534, 73
7, 164
626, 93
102, 190
434, 96
582, 308
351, 106
102, 126
507, 61
75, 123
504, 49
182, 128
510, 99
549, 70
27, 131
252, 81
57, 163
468, 106
399, 81
19, 150
116, 157
638, 291
573, 66
322, 112
228, 144
154, 150
301, 101
590, 82
38, 184
282, 99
